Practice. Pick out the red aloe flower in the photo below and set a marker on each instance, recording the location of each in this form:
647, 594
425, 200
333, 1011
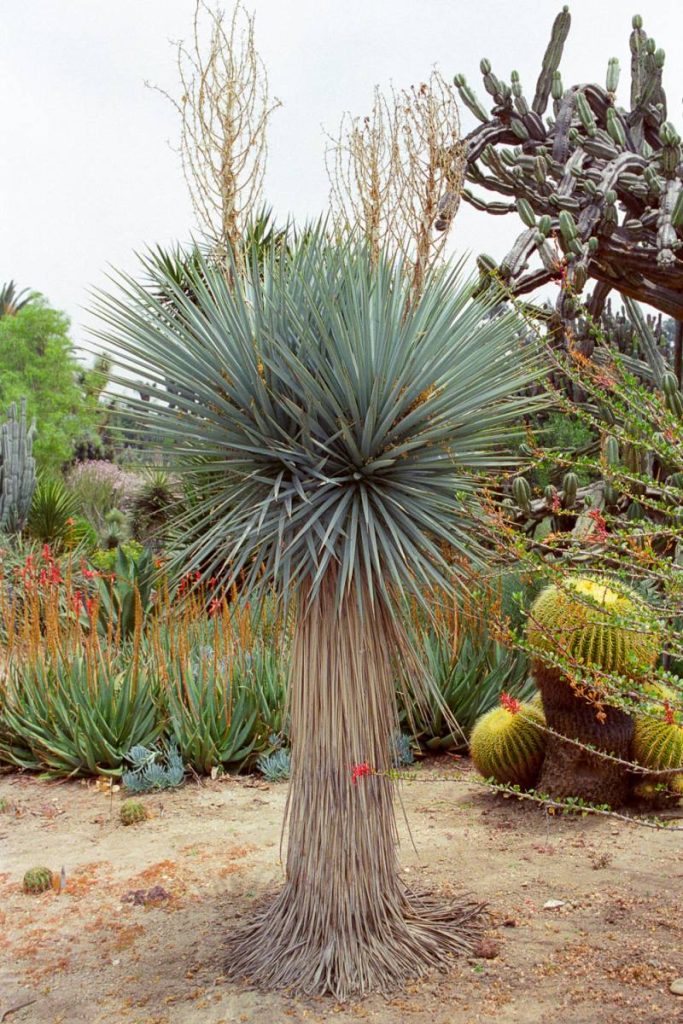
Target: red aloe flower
669, 714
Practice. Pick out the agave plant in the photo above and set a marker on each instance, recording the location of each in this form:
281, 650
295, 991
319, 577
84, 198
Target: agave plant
335, 433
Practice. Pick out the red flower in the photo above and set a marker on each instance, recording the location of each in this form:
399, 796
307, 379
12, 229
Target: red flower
510, 704
214, 605
78, 601
669, 714
47, 555
90, 606
359, 771
600, 528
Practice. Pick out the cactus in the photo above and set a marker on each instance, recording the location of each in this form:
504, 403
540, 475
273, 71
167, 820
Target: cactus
17, 469
607, 183
507, 745
658, 734
132, 812
590, 621
570, 484
37, 880
521, 492
587, 620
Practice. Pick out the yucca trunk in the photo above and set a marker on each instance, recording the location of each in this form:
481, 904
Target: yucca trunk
344, 923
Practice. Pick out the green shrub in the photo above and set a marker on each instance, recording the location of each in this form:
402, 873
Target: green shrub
104, 559
99, 487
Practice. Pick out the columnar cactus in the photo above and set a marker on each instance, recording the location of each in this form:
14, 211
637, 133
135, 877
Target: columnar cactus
599, 188
17, 469
507, 743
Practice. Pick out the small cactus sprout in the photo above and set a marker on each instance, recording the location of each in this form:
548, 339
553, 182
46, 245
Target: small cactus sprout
590, 620
570, 485
37, 880
132, 812
507, 744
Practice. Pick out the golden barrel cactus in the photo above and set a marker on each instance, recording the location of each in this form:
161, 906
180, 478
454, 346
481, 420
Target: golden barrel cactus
597, 623
658, 734
507, 744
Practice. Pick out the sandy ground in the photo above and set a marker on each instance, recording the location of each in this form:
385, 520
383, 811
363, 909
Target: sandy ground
97, 954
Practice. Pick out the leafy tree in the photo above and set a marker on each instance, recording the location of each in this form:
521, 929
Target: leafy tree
37, 361
336, 434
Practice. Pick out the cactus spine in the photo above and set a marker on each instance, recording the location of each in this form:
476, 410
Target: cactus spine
17, 469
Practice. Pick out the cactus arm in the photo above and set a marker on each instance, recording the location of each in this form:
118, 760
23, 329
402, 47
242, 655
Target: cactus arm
480, 204
619, 175
647, 340
551, 60
17, 469
667, 237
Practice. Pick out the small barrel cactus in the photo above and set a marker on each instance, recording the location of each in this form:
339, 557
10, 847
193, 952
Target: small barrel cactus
132, 812
658, 735
37, 880
596, 623
507, 744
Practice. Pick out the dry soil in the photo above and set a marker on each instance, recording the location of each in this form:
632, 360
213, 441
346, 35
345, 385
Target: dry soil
136, 934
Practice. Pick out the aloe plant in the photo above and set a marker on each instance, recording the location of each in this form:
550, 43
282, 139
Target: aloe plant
77, 715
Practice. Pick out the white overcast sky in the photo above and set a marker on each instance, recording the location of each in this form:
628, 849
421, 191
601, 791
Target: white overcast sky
87, 174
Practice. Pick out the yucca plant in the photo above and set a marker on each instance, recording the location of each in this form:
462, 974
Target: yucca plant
53, 515
153, 507
335, 432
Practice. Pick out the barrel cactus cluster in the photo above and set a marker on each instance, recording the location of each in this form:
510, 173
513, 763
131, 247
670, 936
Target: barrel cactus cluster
601, 634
